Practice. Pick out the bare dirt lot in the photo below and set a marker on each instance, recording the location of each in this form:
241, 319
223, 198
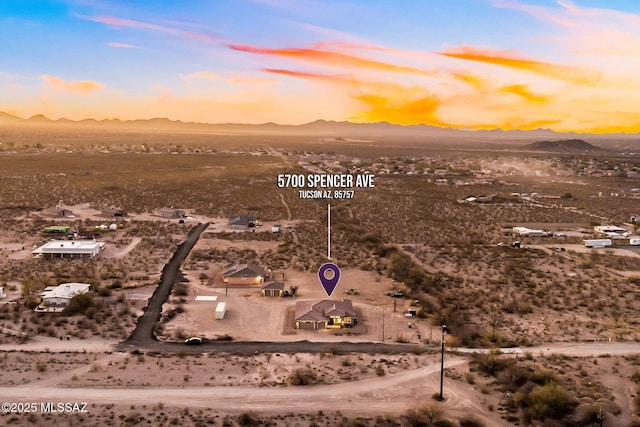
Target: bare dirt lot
252, 317
413, 231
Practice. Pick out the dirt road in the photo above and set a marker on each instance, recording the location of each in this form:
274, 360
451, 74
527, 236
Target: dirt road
380, 395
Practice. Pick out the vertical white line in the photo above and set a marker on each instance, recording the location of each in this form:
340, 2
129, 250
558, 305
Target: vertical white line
329, 230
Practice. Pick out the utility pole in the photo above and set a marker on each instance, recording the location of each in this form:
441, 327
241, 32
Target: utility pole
444, 332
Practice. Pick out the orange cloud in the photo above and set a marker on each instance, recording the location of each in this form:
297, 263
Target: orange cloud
569, 74
80, 86
306, 75
524, 92
123, 45
331, 58
400, 108
471, 79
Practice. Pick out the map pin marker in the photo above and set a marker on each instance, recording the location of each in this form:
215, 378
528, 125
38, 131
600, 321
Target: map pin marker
329, 283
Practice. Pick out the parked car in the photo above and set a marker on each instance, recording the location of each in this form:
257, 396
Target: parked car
193, 341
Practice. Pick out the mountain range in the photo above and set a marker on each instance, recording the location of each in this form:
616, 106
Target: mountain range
318, 127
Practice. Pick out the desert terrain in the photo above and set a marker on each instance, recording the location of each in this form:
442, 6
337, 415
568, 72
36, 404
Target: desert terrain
437, 230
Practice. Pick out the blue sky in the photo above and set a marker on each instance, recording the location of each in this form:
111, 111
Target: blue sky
479, 64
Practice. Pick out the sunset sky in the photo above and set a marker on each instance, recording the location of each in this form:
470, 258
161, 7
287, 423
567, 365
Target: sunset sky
473, 64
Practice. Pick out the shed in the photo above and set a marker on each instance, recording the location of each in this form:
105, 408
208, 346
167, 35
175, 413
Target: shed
221, 309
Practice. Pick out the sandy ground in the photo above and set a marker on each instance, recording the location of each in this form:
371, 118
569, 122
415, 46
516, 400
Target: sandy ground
251, 316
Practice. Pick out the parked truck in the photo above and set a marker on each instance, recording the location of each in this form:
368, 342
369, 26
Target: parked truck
597, 243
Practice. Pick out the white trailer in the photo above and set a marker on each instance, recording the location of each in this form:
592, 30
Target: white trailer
221, 308
597, 243
634, 241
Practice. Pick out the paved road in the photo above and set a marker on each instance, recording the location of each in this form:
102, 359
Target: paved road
253, 347
143, 333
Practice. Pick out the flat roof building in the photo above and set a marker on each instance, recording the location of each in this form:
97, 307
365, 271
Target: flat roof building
69, 249
61, 295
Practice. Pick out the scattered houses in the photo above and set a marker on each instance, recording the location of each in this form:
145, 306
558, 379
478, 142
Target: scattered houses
325, 314
68, 249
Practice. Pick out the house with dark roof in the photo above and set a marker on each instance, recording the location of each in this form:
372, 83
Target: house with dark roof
242, 222
325, 314
112, 211
171, 213
243, 274
272, 289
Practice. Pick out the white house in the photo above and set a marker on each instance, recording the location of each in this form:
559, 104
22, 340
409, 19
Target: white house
62, 294
612, 231
69, 249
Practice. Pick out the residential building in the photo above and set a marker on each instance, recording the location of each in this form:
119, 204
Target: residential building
242, 222
61, 295
272, 289
68, 249
171, 213
325, 314
243, 274
112, 211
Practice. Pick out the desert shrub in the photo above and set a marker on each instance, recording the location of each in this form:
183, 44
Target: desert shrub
470, 421
180, 290
490, 363
548, 401
104, 292
247, 420
31, 302
514, 376
78, 304
302, 376
543, 376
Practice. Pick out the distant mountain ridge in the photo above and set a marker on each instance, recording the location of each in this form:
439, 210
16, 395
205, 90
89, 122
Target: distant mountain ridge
563, 146
318, 127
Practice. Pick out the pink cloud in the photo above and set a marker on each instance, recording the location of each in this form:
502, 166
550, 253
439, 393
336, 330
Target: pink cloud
208, 75
123, 45
130, 23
